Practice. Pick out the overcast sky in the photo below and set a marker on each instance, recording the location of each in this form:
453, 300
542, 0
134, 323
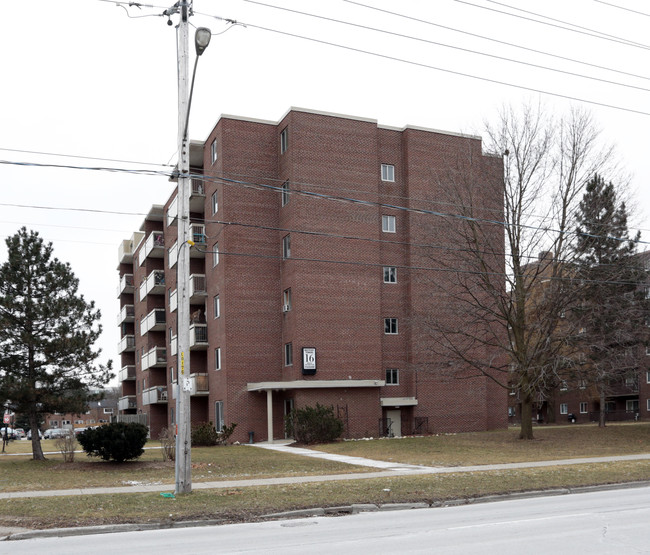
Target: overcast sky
91, 78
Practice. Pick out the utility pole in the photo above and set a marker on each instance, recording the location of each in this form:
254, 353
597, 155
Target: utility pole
183, 434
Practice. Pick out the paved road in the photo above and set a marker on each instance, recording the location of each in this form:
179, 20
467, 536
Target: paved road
595, 523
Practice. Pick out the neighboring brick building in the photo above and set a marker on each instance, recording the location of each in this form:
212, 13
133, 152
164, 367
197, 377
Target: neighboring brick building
309, 274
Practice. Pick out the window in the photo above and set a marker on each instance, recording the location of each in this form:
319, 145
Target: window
647, 376
632, 405
392, 376
215, 202
54, 423
215, 255
217, 358
213, 151
390, 274
390, 326
284, 140
286, 246
285, 193
583, 408
288, 354
172, 416
564, 408
218, 416
286, 300
78, 422
647, 404
388, 224
563, 386
108, 411
216, 306
172, 379
511, 411
647, 350
65, 422
387, 172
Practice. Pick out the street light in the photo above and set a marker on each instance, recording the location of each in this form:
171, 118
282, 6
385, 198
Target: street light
202, 37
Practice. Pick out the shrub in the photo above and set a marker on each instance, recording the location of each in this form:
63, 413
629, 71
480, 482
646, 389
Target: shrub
168, 444
67, 443
205, 434
118, 441
313, 424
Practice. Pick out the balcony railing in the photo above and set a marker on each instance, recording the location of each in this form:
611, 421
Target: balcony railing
126, 373
198, 336
126, 344
154, 321
127, 402
173, 255
197, 199
155, 358
153, 395
173, 301
126, 284
197, 286
154, 284
154, 246
127, 314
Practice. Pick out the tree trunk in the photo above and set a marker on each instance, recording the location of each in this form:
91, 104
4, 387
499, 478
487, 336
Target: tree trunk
601, 418
37, 450
526, 431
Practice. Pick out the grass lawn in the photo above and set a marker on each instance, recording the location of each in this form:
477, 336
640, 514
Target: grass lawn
248, 503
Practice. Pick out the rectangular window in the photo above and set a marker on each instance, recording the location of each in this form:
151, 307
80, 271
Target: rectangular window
285, 193
583, 408
286, 246
288, 354
647, 376
286, 300
647, 404
219, 422
632, 405
390, 274
392, 376
217, 358
387, 172
172, 416
54, 423
215, 255
172, 379
108, 411
213, 151
388, 224
564, 408
390, 326
215, 202
563, 386
216, 306
284, 140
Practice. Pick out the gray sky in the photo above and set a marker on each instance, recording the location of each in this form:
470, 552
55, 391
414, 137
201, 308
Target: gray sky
91, 78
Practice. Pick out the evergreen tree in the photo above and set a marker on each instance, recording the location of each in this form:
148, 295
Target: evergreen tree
47, 332
612, 305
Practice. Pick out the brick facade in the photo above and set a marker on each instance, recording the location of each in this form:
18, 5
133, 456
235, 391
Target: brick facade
331, 216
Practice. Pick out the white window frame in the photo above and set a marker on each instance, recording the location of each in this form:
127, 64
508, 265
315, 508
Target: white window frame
216, 306
288, 354
215, 255
284, 140
390, 274
217, 358
392, 376
285, 193
108, 411
647, 403
388, 223
647, 376
630, 403
388, 173
214, 199
564, 408
213, 151
286, 246
219, 421
391, 326
584, 406
286, 300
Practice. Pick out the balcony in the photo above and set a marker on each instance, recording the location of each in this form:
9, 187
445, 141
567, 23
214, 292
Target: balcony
173, 301
197, 201
127, 314
198, 337
154, 395
153, 285
155, 358
127, 248
153, 247
199, 385
173, 255
126, 344
126, 284
127, 403
154, 321
126, 373
198, 288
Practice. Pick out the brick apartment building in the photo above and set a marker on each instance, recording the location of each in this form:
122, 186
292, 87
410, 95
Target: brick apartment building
308, 280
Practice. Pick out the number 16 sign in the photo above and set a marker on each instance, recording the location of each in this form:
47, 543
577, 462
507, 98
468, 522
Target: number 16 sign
308, 361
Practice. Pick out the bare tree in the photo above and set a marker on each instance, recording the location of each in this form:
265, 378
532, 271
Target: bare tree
513, 273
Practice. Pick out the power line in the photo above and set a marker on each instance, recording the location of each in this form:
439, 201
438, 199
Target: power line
505, 43
84, 157
444, 45
622, 8
587, 31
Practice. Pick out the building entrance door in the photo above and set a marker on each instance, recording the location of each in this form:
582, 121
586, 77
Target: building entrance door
395, 419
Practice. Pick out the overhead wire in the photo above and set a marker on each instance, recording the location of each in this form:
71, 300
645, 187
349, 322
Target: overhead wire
622, 8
